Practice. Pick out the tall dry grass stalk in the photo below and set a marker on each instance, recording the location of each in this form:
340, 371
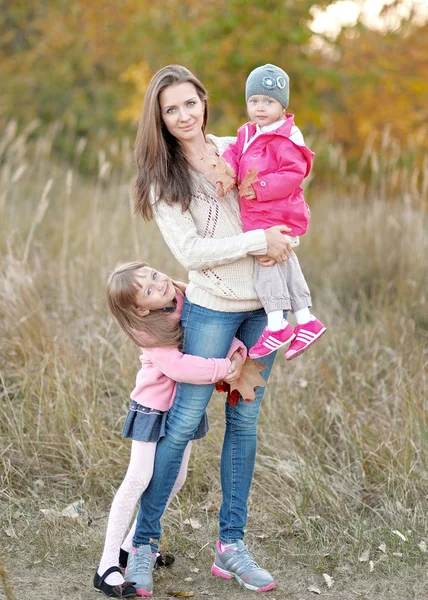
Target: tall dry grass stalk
344, 429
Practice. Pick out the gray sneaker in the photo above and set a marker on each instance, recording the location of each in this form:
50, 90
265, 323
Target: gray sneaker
139, 569
236, 561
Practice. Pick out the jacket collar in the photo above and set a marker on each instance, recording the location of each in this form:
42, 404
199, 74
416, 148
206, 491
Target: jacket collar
284, 129
270, 127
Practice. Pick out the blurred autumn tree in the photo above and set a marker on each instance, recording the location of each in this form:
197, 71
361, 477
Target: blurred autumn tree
87, 64
91, 61
384, 88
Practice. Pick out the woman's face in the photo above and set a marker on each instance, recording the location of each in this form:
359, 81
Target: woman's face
182, 111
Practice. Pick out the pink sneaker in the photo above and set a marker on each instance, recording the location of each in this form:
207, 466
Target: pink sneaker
306, 335
270, 341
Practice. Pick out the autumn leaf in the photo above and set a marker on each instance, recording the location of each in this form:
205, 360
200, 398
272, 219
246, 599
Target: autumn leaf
233, 397
222, 189
314, 589
194, 523
222, 386
181, 594
225, 177
365, 555
249, 379
246, 188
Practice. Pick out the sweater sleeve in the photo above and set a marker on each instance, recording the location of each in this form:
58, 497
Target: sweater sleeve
237, 346
195, 252
187, 368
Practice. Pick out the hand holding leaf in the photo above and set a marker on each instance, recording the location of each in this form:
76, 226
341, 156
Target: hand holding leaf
246, 383
246, 188
227, 178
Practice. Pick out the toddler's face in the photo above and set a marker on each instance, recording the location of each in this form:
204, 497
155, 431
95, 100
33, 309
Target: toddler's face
264, 110
155, 290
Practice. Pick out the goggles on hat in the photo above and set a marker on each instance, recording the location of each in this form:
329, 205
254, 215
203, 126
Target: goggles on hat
269, 83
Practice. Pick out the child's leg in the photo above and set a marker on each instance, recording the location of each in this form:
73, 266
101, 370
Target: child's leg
179, 482
303, 315
275, 320
300, 296
136, 480
308, 329
271, 287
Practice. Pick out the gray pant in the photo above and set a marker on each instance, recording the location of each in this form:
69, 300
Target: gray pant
283, 286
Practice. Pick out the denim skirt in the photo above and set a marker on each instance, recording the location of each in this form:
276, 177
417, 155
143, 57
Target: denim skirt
146, 424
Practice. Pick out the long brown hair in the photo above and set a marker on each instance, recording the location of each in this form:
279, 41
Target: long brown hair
155, 329
158, 155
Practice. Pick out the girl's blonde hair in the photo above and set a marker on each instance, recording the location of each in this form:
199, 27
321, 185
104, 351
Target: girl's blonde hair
158, 155
155, 329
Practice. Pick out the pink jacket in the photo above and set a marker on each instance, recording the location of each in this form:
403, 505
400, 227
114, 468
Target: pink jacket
282, 162
162, 367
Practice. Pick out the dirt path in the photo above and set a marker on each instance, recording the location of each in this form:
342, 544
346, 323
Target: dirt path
56, 561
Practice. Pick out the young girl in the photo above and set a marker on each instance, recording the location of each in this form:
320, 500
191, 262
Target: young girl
271, 160
148, 305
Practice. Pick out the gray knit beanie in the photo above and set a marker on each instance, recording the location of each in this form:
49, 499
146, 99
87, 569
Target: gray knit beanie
269, 81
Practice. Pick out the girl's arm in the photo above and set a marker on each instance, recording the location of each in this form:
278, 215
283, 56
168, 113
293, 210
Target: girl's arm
195, 252
232, 155
294, 166
187, 368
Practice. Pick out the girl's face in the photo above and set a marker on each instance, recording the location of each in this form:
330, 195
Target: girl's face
264, 110
155, 290
182, 111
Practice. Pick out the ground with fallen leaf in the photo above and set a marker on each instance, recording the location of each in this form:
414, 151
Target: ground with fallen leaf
338, 506
60, 560
51, 550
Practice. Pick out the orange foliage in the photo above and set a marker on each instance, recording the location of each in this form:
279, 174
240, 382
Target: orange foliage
88, 63
384, 88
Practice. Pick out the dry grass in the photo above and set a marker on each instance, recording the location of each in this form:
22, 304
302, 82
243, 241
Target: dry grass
343, 445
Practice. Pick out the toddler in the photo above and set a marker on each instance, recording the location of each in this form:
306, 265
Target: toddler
270, 161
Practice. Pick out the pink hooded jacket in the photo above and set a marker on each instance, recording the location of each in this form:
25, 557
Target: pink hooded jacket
282, 162
162, 367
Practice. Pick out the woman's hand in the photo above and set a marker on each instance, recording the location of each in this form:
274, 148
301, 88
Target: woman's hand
266, 261
278, 245
235, 368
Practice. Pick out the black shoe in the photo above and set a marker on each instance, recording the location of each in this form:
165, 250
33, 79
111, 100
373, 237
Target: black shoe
126, 590
163, 560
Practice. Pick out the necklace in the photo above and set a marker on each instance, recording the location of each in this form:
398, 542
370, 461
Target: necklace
207, 156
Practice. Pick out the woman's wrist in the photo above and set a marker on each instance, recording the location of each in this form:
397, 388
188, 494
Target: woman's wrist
258, 242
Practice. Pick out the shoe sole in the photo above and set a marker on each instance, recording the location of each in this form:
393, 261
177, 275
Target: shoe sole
101, 592
140, 591
299, 352
256, 356
218, 572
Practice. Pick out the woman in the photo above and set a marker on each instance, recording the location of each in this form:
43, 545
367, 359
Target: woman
179, 169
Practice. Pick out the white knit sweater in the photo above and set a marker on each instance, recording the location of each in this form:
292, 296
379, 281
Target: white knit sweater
208, 240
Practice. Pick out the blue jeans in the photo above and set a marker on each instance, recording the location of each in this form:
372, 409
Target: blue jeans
208, 333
